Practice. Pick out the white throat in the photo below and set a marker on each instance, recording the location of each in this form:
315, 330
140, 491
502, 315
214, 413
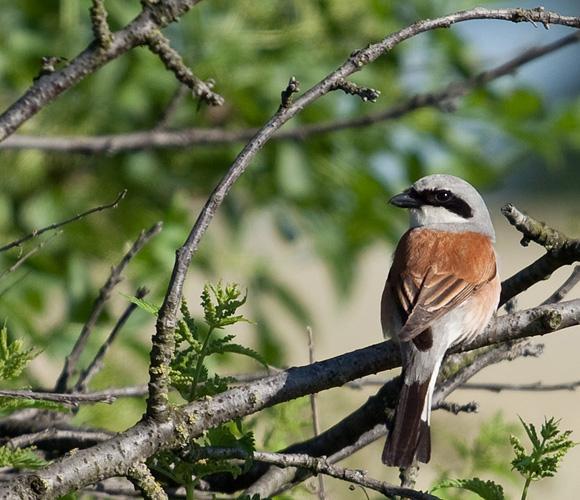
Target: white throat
428, 215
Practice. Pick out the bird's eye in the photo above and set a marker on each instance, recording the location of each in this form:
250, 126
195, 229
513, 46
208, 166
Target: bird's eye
443, 195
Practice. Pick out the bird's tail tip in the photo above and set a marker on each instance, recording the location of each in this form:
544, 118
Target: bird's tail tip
410, 437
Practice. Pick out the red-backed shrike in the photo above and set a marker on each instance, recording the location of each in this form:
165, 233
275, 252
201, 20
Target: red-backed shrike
442, 290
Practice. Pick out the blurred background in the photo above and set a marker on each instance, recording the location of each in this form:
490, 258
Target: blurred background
307, 229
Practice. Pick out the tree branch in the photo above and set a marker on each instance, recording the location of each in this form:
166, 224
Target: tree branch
367, 423
157, 138
159, 45
115, 456
560, 251
315, 465
154, 16
566, 287
29, 254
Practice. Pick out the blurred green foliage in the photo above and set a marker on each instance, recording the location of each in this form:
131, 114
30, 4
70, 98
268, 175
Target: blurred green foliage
328, 191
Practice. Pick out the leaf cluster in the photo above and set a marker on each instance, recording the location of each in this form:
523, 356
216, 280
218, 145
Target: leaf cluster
194, 343
13, 356
13, 360
20, 458
549, 447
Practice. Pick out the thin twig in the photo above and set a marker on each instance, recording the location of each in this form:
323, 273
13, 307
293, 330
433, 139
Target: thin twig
97, 363
533, 387
565, 289
286, 95
159, 45
314, 410
135, 391
73, 399
365, 93
172, 106
187, 137
29, 254
114, 278
457, 408
38, 232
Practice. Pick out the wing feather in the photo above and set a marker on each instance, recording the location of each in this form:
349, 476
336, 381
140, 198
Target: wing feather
434, 271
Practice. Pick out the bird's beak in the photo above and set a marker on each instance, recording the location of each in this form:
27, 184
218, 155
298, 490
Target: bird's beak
404, 200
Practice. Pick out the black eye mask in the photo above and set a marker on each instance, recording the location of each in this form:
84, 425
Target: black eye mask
443, 198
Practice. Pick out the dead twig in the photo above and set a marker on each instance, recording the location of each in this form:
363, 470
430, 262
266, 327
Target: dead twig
38, 232
28, 254
565, 289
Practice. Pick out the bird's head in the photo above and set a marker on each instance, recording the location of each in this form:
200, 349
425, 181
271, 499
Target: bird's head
447, 203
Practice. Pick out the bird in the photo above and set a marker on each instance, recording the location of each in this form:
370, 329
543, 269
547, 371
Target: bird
442, 290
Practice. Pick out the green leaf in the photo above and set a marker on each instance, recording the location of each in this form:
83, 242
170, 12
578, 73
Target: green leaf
146, 306
20, 458
546, 454
245, 351
488, 490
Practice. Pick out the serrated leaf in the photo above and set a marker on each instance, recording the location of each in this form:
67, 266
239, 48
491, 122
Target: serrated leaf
244, 351
531, 432
488, 490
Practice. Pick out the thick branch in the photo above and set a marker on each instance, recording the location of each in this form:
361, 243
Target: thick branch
157, 138
367, 423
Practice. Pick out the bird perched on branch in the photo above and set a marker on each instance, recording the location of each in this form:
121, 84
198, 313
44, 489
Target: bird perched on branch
442, 290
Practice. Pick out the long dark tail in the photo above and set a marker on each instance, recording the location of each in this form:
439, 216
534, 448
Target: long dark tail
410, 436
